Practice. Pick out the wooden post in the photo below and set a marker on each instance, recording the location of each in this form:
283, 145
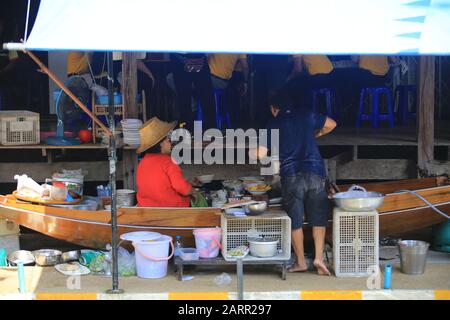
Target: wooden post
129, 167
129, 90
425, 115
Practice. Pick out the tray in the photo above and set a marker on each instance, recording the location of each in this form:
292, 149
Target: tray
43, 201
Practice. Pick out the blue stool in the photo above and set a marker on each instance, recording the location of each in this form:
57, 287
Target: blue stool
222, 115
403, 105
330, 96
376, 116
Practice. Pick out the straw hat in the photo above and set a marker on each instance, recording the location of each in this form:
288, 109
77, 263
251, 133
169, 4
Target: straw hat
152, 132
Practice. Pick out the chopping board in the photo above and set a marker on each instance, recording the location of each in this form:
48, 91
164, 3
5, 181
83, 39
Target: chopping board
44, 201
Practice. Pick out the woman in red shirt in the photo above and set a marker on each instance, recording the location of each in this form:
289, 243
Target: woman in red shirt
159, 179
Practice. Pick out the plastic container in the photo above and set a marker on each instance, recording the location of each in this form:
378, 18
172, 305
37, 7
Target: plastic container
207, 242
441, 237
188, 254
413, 256
355, 242
104, 99
152, 257
125, 197
19, 127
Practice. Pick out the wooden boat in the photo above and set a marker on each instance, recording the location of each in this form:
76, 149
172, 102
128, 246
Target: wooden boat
400, 213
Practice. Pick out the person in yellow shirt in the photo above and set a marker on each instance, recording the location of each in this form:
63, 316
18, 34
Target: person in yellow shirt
223, 65
77, 63
373, 70
230, 71
309, 72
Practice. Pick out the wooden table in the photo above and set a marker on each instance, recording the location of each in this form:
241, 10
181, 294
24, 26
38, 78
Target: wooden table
220, 261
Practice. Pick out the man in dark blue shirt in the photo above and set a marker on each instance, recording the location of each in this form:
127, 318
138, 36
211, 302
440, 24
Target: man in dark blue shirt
302, 172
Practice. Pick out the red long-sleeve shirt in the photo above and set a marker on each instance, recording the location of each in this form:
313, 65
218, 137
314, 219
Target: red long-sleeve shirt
160, 183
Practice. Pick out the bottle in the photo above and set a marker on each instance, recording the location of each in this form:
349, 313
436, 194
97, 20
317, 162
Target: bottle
387, 276
178, 245
3, 262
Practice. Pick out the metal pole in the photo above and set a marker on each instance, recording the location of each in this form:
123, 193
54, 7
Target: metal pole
112, 151
240, 278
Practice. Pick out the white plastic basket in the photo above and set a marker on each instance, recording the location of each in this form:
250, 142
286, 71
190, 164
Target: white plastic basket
19, 127
355, 243
235, 231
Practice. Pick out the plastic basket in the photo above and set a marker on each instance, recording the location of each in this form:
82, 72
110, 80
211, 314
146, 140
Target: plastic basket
235, 231
19, 127
355, 243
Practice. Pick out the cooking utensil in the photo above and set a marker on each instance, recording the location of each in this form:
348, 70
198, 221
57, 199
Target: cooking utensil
263, 247
358, 199
70, 256
255, 209
26, 257
47, 257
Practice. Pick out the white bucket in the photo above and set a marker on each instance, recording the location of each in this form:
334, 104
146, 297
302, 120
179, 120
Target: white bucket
152, 257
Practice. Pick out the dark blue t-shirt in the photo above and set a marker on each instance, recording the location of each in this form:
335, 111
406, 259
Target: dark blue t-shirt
298, 150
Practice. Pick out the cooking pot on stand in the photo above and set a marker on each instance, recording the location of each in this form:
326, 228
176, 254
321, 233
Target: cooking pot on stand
358, 199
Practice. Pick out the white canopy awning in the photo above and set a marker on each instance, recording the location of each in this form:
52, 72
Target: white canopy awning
244, 26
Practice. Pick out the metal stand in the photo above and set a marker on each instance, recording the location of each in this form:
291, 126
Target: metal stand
112, 151
240, 278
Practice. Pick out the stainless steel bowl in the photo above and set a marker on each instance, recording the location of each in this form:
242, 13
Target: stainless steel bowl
255, 209
70, 256
47, 257
358, 201
26, 257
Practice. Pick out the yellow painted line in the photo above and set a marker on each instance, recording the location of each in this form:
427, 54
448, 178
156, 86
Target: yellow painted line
442, 294
198, 296
66, 296
331, 295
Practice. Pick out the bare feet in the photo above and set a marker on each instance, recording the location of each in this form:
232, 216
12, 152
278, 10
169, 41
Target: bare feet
302, 267
321, 268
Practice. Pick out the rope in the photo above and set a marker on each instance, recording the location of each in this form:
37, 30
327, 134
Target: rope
427, 202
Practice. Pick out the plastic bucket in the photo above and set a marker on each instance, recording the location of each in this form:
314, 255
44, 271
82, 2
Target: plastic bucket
152, 257
207, 242
413, 256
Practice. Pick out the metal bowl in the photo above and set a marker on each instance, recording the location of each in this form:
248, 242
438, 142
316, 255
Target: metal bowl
358, 201
26, 257
255, 209
70, 256
47, 257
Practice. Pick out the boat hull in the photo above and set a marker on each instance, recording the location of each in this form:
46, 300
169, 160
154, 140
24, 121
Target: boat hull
400, 213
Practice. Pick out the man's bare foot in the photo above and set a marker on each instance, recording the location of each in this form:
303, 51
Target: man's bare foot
321, 268
302, 267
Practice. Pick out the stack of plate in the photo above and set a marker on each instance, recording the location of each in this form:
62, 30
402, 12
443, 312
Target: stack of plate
130, 129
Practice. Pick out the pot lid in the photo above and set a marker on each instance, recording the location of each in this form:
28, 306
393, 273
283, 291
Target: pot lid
140, 236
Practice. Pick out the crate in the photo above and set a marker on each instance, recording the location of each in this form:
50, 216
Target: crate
235, 232
19, 127
355, 243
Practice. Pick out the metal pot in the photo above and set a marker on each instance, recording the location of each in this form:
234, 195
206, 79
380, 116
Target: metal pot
26, 257
263, 247
70, 256
47, 257
358, 199
255, 209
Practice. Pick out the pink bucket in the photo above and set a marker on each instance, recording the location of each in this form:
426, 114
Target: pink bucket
207, 242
